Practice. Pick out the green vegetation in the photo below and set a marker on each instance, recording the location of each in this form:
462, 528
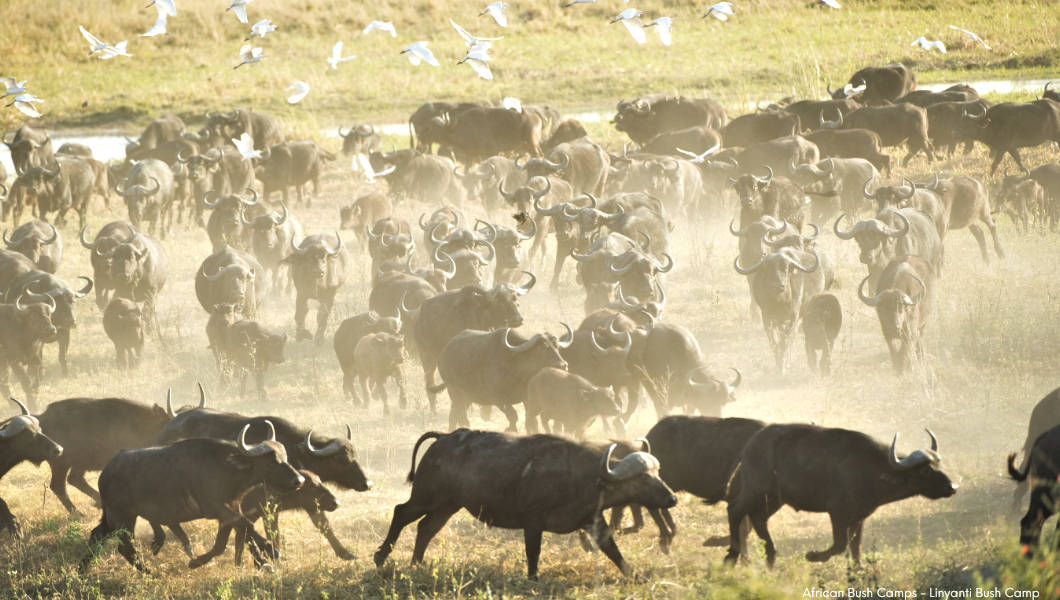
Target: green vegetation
570, 58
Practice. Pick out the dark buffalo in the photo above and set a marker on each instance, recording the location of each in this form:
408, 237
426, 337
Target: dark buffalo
149, 191
153, 483
582, 163
905, 304
891, 234
1040, 466
319, 267
943, 123
965, 202
695, 140
378, 357
389, 238
29, 148
423, 126
360, 139
65, 183
158, 132
1007, 127
264, 129
271, 234
479, 133
351, 331
844, 473
809, 112
756, 128
423, 177
438, 319
38, 241
292, 164
23, 332
927, 98
1048, 177
94, 430
536, 483
363, 213
484, 182
835, 184
568, 399
646, 117
225, 226
221, 170
493, 369
252, 348
109, 237
909, 195
1044, 416
821, 319
13, 265
889, 83
397, 294
124, 325
231, 276
1023, 198
851, 143
896, 125
21, 439
64, 318
778, 197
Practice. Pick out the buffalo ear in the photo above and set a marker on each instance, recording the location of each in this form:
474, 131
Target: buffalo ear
159, 411
892, 478
237, 461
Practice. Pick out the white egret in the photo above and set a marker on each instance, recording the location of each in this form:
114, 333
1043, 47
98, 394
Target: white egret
471, 40
496, 10
158, 28
249, 55
512, 103
721, 11
94, 44
239, 7
245, 145
370, 173
381, 26
926, 45
13, 88
301, 88
477, 58
260, 29
830, 4
115, 50
699, 158
418, 52
336, 56
629, 18
973, 36
664, 26
25, 104
850, 91
573, 2
164, 7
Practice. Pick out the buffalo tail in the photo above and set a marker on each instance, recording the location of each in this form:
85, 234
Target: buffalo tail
1015, 473
430, 435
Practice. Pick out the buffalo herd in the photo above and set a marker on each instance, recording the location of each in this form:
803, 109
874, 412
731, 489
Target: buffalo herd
452, 294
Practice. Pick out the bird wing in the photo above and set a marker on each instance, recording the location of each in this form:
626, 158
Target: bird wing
662, 26
510, 102
388, 26
832, 3
336, 51
256, 52
413, 58
120, 46
463, 33
498, 15
27, 109
244, 144
636, 29
724, 7
241, 13
245, 52
385, 171
940, 46
165, 7
687, 153
421, 51
157, 29
257, 27
8, 81
301, 88
919, 40
91, 39
480, 67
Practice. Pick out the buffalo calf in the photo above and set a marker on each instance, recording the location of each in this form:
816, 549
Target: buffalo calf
124, 324
252, 349
821, 319
378, 357
568, 399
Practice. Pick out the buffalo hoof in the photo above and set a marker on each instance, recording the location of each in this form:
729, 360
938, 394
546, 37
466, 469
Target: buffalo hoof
197, 562
731, 557
813, 556
717, 541
586, 541
346, 555
303, 334
379, 558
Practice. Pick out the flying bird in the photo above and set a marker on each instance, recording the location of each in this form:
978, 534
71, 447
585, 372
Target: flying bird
160, 23
973, 36
249, 55
418, 52
115, 50
164, 7
245, 145
336, 56
24, 104
830, 4
13, 88
381, 26
698, 158
301, 88
721, 11
369, 173
926, 45
260, 29
239, 7
573, 2
471, 40
663, 25
512, 103
496, 10
629, 18
849, 91
477, 58
93, 42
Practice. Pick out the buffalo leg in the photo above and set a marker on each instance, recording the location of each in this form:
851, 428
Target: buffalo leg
532, 540
364, 390
404, 514
981, 239
826, 358
606, 542
854, 535
811, 355
63, 339
159, 539
219, 545
320, 520
1040, 509
8, 521
28, 386
760, 522
992, 226
102, 297
99, 534
182, 537
379, 390
77, 479
323, 312
562, 250
429, 527
666, 535
300, 312
120, 359
127, 547
513, 417
58, 487
840, 526
259, 383
428, 376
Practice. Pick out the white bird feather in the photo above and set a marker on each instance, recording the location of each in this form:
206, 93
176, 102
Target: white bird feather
260, 28
927, 45
336, 56
245, 145
24, 104
973, 36
721, 11
13, 87
381, 26
301, 88
164, 7
239, 7
496, 10
249, 55
664, 27
418, 52
369, 173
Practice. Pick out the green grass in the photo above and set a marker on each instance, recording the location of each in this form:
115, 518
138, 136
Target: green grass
569, 58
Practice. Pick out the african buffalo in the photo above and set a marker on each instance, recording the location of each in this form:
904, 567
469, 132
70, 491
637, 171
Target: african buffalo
886, 83
39, 242
891, 234
231, 276
21, 439
905, 304
271, 234
39, 283
292, 164
1005, 128
124, 325
319, 267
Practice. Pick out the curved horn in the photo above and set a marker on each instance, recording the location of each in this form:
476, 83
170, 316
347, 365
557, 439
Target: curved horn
206, 202
84, 241
345, 135
8, 241
338, 246
567, 339
558, 166
870, 301
816, 234
253, 200
767, 178
215, 276
522, 166
738, 233
539, 193
741, 271
220, 155
283, 219
791, 164
915, 459
24, 412
300, 251
491, 230
88, 287
816, 264
899, 233
49, 241
530, 234
529, 285
670, 265
257, 450
521, 347
605, 464
329, 450
504, 194
923, 289
912, 189
412, 314
843, 235
243, 217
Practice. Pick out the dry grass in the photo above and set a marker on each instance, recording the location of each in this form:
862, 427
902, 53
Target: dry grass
569, 58
992, 356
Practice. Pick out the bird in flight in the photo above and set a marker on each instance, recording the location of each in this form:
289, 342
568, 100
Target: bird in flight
25, 104
973, 36
245, 145
471, 40
301, 88
260, 29
496, 10
418, 53
830, 4
249, 55
926, 45
160, 23
721, 11
370, 173
381, 26
478, 58
698, 158
573, 2
239, 7
629, 18
663, 26
336, 56
12, 87
164, 7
